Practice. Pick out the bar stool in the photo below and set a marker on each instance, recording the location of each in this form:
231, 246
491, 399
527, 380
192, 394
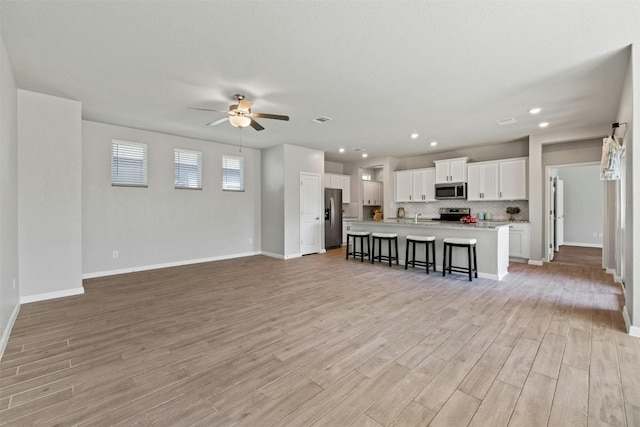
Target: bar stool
362, 235
460, 242
430, 245
380, 237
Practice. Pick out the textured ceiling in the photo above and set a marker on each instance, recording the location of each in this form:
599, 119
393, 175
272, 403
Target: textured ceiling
447, 70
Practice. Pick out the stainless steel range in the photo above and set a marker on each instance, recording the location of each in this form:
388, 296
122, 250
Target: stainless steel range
453, 214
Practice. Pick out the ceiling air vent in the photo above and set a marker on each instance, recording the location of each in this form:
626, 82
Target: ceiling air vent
503, 122
321, 119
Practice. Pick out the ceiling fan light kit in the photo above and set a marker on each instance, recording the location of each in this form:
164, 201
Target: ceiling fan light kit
240, 121
241, 116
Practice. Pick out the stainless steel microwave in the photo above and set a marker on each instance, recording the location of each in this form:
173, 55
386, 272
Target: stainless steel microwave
449, 191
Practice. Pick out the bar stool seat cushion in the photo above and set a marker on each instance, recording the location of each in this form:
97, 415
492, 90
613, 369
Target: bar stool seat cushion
357, 233
460, 241
421, 238
385, 235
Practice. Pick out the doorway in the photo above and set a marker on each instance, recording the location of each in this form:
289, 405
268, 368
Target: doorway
310, 209
574, 206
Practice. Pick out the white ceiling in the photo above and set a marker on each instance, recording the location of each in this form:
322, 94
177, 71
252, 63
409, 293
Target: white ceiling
381, 70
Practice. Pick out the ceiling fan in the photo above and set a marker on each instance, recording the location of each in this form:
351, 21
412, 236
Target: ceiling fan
240, 114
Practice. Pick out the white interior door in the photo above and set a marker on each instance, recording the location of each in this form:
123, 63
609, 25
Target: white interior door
559, 213
551, 218
310, 209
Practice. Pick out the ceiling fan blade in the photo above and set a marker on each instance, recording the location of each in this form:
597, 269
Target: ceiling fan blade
207, 109
270, 116
217, 122
244, 105
256, 125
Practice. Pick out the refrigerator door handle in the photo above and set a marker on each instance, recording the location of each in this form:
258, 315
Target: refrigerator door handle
333, 210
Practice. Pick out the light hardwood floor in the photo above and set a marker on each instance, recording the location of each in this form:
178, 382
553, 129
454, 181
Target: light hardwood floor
579, 255
326, 342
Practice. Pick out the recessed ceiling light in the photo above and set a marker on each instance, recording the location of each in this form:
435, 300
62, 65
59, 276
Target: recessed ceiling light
365, 155
543, 124
415, 135
433, 143
535, 110
341, 150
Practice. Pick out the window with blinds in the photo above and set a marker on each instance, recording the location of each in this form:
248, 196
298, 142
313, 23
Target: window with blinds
232, 173
128, 163
187, 165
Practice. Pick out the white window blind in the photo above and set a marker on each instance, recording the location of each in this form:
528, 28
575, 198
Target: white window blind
128, 163
187, 169
232, 173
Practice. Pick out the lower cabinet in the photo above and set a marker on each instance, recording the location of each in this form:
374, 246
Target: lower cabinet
345, 228
519, 240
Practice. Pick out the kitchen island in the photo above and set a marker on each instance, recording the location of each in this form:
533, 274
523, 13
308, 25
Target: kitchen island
492, 246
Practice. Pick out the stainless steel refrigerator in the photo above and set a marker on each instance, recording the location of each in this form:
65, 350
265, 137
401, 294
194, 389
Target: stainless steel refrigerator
332, 218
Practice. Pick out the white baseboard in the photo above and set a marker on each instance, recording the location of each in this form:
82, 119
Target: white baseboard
535, 262
634, 331
52, 295
7, 330
292, 256
272, 255
165, 265
584, 245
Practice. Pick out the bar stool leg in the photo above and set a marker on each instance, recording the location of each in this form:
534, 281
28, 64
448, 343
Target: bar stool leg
470, 263
361, 248
475, 261
347, 251
397, 257
450, 258
433, 254
406, 255
389, 245
426, 256
444, 259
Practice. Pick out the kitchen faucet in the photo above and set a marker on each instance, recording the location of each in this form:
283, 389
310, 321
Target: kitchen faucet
417, 215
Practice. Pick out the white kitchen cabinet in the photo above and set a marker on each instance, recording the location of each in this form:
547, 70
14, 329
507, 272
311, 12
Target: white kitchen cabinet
415, 185
343, 182
513, 179
404, 186
451, 170
430, 190
519, 236
483, 181
372, 193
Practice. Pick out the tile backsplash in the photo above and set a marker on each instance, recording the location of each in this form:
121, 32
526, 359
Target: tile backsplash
497, 209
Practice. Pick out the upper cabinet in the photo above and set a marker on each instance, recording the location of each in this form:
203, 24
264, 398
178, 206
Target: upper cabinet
513, 179
498, 180
372, 191
415, 185
451, 170
482, 181
343, 182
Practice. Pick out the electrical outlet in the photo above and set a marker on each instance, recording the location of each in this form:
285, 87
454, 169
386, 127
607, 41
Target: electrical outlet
14, 283
250, 241
600, 235
115, 254
595, 234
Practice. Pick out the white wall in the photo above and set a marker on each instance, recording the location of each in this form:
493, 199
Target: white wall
9, 296
272, 212
49, 201
281, 168
583, 205
629, 112
297, 160
160, 225
333, 167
